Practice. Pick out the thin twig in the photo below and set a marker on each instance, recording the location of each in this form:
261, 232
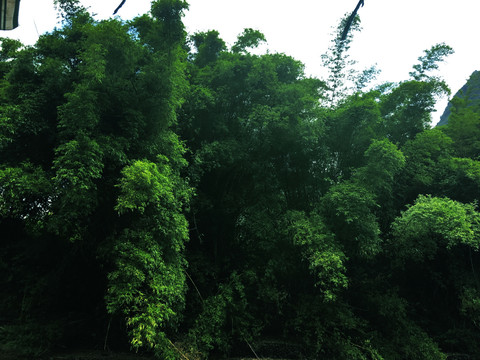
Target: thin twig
198, 291
181, 353
251, 348
106, 335
196, 228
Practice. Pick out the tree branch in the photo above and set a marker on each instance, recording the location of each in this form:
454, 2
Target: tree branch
119, 6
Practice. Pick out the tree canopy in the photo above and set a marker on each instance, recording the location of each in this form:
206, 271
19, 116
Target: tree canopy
167, 193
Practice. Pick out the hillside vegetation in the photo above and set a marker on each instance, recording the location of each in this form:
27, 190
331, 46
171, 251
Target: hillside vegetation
169, 195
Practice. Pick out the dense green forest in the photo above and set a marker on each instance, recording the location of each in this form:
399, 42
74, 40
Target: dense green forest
168, 194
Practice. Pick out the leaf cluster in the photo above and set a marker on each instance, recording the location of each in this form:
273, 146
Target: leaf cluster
176, 196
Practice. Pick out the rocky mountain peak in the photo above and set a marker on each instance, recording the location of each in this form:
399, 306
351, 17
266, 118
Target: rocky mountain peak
470, 91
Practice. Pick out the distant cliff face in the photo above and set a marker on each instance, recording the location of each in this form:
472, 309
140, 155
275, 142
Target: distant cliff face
470, 91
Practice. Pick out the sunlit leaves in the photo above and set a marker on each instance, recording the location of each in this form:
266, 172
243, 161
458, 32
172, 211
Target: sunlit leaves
145, 288
292, 227
147, 283
323, 254
89, 155
435, 223
143, 183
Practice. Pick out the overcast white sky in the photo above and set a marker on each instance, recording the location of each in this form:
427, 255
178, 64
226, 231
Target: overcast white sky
394, 32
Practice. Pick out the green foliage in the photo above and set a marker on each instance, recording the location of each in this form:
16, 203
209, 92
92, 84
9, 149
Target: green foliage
384, 162
144, 287
249, 38
298, 204
23, 340
69, 8
79, 111
300, 196
407, 108
424, 153
224, 317
430, 60
349, 212
471, 304
144, 183
321, 252
356, 122
466, 172
344, 79
208, 46
78, 164
337, 61
24, 193
463, 127
433, 223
